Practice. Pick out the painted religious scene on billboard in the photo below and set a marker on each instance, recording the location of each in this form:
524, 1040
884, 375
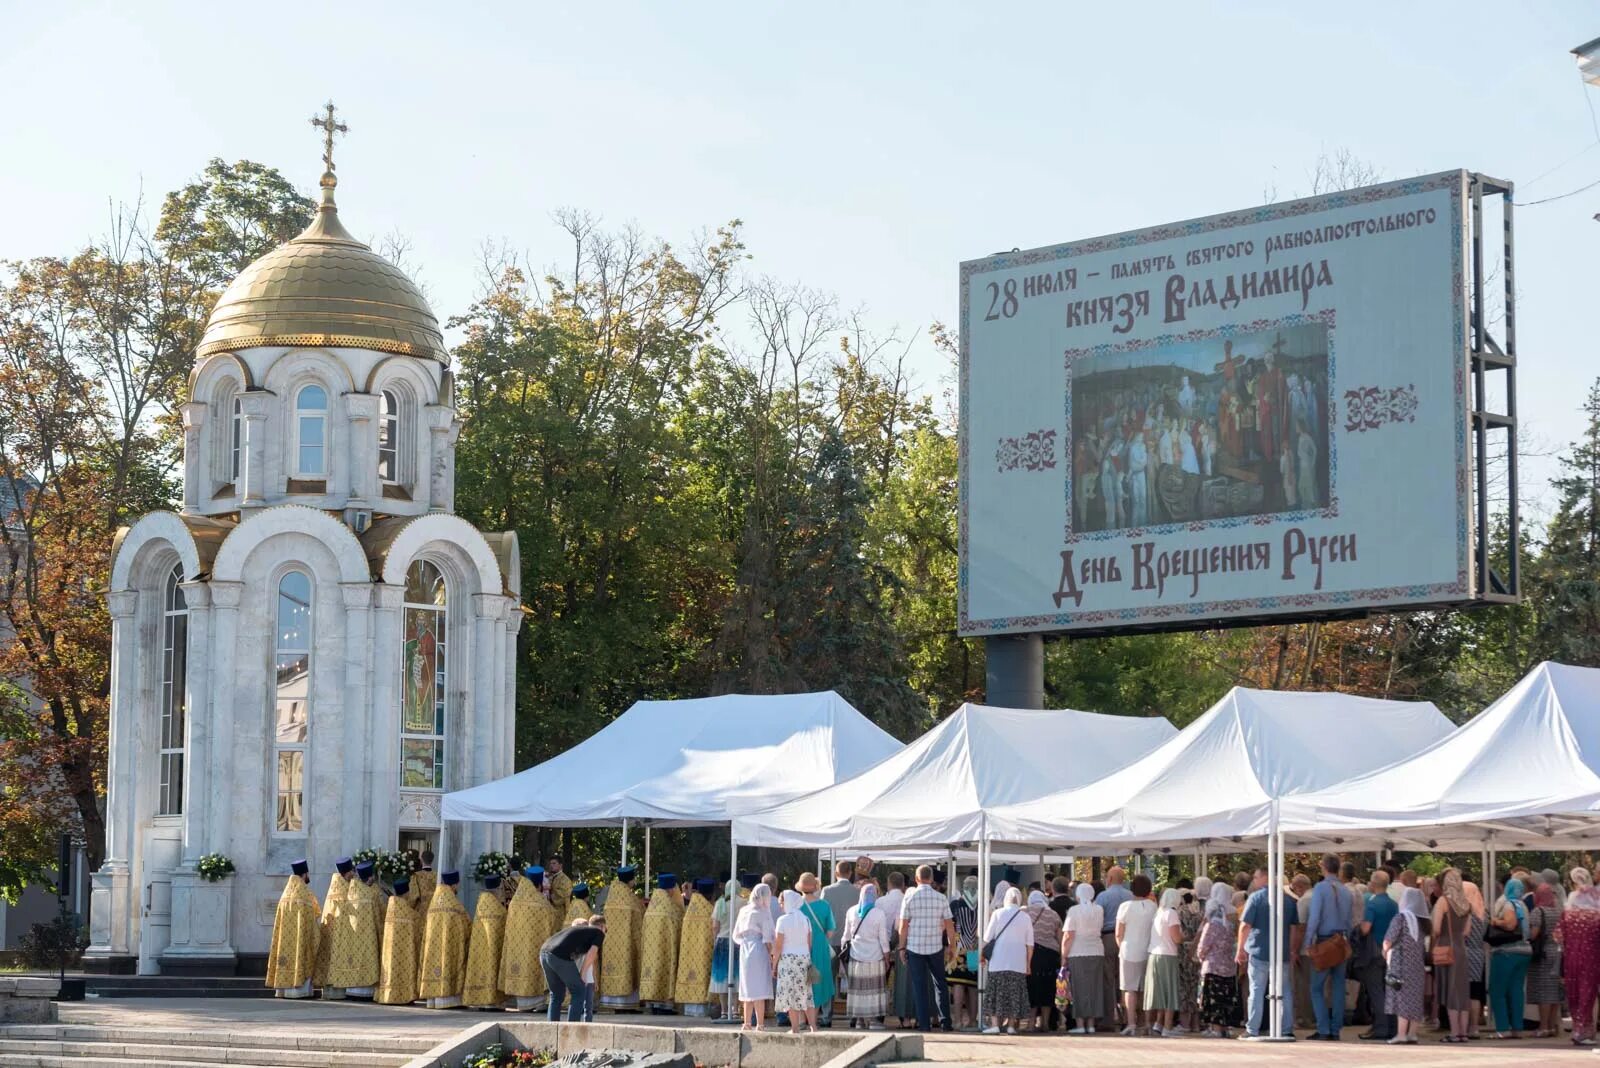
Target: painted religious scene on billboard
1200, 427
1251, 415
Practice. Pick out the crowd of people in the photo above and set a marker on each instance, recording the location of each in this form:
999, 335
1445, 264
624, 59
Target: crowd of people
1398, 950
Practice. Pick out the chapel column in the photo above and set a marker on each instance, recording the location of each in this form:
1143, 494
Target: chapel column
198, 726
488, 611
112, 903
387, 641
361, 410
254, 406
195, 469
443, 427
361, 729
508, 755
221, 789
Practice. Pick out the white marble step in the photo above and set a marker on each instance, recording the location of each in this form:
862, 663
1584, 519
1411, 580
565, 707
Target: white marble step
30, 1051
61, 1060
387, 1045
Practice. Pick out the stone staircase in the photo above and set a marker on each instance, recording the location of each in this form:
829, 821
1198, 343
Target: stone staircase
79, 1046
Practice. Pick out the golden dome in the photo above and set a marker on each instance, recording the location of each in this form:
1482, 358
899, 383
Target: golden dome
324, 289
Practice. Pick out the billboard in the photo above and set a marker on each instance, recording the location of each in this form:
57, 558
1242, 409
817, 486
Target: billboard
1255, 415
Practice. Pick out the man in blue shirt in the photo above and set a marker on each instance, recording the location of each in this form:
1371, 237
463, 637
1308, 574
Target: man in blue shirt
1379, 911
1329, 918
1110, 899
1255, 939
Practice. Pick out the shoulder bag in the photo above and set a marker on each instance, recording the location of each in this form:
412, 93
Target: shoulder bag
1335, 949
1443, 953
1495, 935
988, 947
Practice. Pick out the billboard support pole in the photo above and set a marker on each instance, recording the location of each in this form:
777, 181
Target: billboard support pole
1014, 671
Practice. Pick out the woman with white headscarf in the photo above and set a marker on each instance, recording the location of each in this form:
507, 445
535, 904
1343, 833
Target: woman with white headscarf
753, 935
1006, 996
1163, 989
1402, 949
1045, 961
1580, 954
1085, 955
866, 934
1219, 966
791, 951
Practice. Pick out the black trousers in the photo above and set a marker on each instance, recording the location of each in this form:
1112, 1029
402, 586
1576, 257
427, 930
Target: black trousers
1372, 976
927, 969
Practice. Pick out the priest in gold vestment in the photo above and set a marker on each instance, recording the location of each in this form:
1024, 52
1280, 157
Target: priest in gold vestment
355, 962
423, 884
296, 929
558, 885
619, 962
482, 987
402, 949
692, 990
444, 946
578, 908
530, 919
333, 904
658, 944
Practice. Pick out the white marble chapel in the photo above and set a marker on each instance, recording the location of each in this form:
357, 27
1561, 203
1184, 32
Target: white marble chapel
314, 647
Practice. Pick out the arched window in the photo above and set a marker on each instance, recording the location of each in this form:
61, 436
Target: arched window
174, 693
292, 700
424, 680
389, 436
311, 429
235, 440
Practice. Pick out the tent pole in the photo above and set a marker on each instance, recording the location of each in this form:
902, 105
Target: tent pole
624, 862
984, 894
733, 914
1275, 933
647, 860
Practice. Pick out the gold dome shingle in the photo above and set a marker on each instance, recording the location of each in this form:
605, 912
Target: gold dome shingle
324, 289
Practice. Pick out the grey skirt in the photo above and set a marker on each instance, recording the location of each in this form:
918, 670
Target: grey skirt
1163, 985
1087, 977
1007, 995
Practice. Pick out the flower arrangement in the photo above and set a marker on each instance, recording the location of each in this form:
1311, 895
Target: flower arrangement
366, 856
497, 1056
501, 864
214, 867
396, 865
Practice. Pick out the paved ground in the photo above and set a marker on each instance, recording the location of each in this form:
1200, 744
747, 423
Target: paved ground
1023, 1051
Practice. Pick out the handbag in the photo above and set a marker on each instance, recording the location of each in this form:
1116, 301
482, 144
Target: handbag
1495, 935
1443, 955
988, 947
1335, 949
1063, 988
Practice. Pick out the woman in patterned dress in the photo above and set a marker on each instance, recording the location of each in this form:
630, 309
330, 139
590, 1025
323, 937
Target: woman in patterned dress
791, 950
1006, 998
1402, 948
722, 927
1544, 972
866, 932
1191, 919
1580, 954
1045, 963
1219, 968
963, 976
1477, 957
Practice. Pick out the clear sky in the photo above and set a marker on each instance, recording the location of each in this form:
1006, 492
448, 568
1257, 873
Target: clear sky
869, 147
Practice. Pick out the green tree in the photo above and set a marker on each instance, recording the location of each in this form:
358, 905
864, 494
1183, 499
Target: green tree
229, 217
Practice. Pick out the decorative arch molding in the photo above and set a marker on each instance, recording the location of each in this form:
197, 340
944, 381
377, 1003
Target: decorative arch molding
449, 530
295, 367
154, 536
205, 373
268, 523
406, 369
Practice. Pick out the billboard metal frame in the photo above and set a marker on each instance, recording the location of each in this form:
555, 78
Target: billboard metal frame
1491, 364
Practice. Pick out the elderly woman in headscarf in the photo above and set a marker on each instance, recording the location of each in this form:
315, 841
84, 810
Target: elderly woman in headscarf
1045, 961
1191, 913
963, 977
1219, 967
1402, 950
1508, 965
866, 941
753, 935
1162, 987
1580, 954
1084, 953
1006, 996
1544, 967
1452, 919
791, 950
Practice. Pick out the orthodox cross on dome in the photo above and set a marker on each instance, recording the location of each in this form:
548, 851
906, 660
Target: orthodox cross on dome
329, 127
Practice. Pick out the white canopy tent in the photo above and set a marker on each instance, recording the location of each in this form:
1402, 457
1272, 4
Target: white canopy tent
1522, 774
935, 791
686, 763
1215, 783
1218, 784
